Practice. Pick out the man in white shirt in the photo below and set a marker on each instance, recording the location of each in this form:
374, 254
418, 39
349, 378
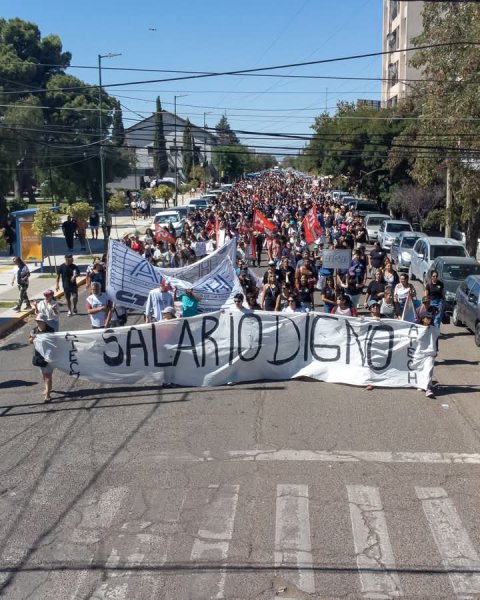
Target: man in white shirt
158, 299
99, 307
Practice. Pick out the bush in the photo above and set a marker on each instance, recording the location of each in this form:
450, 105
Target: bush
17, 204
116, 202
45, 221
80, 210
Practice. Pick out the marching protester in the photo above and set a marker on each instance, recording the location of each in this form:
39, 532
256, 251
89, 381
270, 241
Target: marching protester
435, 290
158, 299
40, 328
68, 273
189, 300
21, 276
401, 292
50, 308
98, 307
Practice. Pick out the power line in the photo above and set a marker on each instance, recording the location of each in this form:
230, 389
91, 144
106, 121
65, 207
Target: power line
258, 70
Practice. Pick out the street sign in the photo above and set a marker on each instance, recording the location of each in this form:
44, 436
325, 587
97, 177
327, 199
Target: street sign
336, 259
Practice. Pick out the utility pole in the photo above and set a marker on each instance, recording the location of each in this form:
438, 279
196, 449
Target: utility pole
100, 141
175, 145
448, 202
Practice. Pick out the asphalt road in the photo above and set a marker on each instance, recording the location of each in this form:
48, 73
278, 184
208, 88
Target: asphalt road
292, 489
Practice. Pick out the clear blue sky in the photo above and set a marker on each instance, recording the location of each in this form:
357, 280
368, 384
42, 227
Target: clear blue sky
221, 35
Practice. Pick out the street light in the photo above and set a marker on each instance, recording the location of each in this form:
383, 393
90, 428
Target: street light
100, 124
175, 143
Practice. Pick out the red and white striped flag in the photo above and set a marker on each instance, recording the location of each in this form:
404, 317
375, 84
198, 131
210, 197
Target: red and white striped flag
311, 226
262, 224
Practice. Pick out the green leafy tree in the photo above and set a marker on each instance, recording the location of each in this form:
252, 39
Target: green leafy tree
230, 161
354, 144
225, 135
160, 158
45, 222
188, 149
118, 130
445, 136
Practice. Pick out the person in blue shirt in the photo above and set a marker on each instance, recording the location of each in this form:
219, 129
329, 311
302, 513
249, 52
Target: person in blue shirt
189, 301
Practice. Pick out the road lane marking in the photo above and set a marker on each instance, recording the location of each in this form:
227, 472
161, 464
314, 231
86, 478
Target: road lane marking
375, 560
213, 540
292, 534
350, 456
453, 543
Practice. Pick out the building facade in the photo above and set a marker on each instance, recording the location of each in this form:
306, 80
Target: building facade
402, 21
140, 137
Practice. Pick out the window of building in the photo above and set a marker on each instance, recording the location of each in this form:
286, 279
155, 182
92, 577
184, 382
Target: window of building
393, 101
394, 6
393, 73
392, 39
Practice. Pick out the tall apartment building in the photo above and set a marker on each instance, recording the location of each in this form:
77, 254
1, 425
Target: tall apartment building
402, 21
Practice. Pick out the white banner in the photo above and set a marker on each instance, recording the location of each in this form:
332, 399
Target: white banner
130, 277
216, 290
235, 346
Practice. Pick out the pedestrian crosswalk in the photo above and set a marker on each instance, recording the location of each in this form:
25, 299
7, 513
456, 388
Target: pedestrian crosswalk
223, 540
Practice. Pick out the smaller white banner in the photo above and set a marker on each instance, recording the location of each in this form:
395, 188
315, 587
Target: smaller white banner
336, 259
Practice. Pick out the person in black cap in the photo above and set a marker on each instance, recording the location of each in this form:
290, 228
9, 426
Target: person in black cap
69, 272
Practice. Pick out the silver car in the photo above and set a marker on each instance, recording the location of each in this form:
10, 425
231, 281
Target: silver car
467, 308
390, 229
401, 249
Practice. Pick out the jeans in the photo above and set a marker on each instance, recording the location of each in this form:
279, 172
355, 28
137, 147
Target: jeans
439, 307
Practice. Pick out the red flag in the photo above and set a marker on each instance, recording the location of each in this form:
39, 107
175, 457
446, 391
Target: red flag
262, 224
311, 226
162, 233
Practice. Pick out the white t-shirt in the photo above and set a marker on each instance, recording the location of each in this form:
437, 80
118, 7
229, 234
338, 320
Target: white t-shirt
98, 319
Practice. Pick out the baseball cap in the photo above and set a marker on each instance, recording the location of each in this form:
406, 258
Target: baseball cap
68, 255
41, 317
372, 303
427, 314
426, 299
168, 310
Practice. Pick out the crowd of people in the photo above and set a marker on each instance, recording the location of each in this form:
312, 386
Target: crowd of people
295, 279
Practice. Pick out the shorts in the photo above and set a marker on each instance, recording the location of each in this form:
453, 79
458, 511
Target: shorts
47, 370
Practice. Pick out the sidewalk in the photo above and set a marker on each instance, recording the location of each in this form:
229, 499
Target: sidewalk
41, 281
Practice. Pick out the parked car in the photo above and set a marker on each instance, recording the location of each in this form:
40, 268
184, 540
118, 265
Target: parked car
198, 203
467, 308
363, 207
372, 224
401, 248
452, 271
427, 249
167, 217
390, 229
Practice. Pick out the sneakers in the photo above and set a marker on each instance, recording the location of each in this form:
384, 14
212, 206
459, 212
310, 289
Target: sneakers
75, 311
369, 387
429, 394
69, 313
17, 309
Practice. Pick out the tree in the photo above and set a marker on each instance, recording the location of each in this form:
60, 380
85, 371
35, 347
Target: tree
188, 150
118, 130
226, 137
45, 222
354, 143
445, 137
230, 161
160, 158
